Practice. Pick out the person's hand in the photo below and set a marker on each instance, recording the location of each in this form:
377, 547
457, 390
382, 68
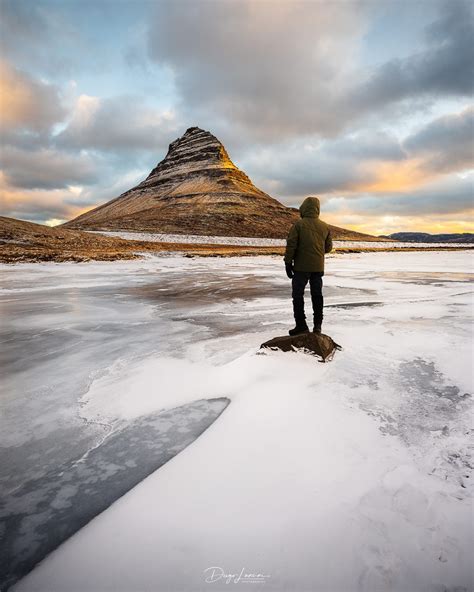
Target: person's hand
289, 270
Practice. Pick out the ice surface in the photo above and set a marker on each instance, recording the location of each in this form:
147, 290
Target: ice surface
42, 513
353, 475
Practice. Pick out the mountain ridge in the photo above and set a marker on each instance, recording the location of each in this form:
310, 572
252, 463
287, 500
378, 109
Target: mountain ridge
425, 237
197, 189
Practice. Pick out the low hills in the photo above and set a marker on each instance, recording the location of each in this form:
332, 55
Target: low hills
424, 237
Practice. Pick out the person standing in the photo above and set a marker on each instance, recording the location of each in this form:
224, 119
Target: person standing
308, 241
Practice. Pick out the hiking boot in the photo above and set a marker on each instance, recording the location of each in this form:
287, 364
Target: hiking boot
298, 330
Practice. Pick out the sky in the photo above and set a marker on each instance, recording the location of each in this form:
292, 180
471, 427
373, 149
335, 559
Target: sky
366, 104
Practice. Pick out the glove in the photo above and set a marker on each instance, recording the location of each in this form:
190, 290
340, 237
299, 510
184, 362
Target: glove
289, 270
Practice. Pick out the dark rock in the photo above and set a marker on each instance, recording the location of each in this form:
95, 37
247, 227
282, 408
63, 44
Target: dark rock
314, 343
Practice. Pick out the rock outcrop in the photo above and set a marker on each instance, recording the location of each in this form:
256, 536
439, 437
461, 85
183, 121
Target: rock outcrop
197, 190
319, 345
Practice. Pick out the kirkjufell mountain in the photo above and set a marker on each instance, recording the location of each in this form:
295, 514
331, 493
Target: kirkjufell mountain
196, 189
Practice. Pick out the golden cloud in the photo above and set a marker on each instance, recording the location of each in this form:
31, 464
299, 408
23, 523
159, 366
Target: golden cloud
25, 102
37, 204
388, 224
400, 176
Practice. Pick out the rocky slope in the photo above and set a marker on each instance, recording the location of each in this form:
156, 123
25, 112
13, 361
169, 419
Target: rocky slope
197, 190
25, 242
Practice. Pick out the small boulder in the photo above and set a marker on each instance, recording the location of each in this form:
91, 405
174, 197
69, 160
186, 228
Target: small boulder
314, 343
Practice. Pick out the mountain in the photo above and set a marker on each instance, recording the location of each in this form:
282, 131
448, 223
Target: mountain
424, 237
197, 189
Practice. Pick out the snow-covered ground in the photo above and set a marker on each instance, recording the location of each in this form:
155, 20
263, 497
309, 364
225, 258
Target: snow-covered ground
263, 242
351, 475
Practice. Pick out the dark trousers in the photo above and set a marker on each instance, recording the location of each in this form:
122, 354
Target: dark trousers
299, 281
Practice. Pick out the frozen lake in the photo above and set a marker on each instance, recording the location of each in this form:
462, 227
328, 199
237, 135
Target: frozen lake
266, 242
353, 475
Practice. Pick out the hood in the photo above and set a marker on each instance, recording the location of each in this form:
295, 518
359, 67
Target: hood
310, 208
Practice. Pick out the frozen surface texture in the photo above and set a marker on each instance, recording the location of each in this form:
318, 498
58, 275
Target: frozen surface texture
264, 242
44, 512
354, 475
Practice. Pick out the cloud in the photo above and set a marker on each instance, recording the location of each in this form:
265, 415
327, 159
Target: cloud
65, 203
26, 103
46, 168
37, 37
123, 123
444, 68
441, 206
292, 68
373, 162
451, 195
377, 224
446, 144
440, 147
298, 91
93, 158
274, 69
35, 205
109, 188
311, 165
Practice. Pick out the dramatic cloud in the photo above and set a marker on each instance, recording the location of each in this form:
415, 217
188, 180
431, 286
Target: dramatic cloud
446, 144
26, 103
120, 123
273, 68
447, 204
35, 204
356, 163
444, 68
36, 36
290, 68
311, 165
46, 169
59, 205
452, 195
362, 103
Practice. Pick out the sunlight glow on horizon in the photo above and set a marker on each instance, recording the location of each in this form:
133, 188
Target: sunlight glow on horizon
384, 225
313, 101
395, 177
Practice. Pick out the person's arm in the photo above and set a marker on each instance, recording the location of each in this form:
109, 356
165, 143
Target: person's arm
290, 251
291, 244
328, 243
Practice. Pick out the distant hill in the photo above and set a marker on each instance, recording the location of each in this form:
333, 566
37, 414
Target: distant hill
196, 189
424, 237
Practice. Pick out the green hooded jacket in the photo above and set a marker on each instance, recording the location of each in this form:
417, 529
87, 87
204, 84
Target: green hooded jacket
309, 239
